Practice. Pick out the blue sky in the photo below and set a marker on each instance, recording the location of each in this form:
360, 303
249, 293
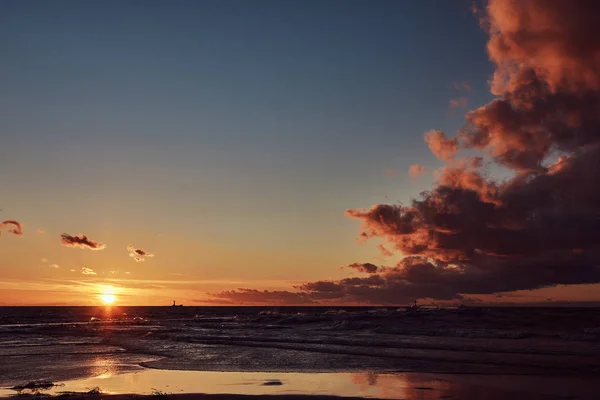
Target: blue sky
240, 127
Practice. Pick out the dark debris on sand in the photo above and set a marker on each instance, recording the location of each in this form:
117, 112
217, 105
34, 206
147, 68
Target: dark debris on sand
272, 382
34, 387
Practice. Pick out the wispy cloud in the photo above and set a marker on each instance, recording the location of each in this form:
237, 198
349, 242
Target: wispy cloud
383, 250
54, 266
416, 170
463, 86
461, 101
139, 255
88, 271
458, 102
12, 226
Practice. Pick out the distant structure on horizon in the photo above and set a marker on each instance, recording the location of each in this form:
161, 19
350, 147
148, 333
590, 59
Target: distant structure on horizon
414, 307
176, 305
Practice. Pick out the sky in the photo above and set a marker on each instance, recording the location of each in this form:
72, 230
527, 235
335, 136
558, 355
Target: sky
207, 151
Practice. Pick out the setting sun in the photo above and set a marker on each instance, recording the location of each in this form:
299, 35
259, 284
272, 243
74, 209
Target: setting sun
108, 295
108, 298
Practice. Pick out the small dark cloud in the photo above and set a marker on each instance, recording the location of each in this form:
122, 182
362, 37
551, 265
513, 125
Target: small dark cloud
383, 250
321, 286
364, 267
80, 241
11, 226
137, 254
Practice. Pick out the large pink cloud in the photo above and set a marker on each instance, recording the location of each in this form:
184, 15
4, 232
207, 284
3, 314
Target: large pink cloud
547, 79
471, 234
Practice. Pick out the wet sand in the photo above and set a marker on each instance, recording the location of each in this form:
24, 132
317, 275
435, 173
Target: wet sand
189, 384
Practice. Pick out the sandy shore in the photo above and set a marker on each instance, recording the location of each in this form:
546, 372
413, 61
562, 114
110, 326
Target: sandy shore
423, 394
190, 396
188, 385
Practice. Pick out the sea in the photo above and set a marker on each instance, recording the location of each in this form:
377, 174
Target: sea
67, 343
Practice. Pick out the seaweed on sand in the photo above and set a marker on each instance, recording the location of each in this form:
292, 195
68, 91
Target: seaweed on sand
34, 387
159, 394
272, 382
90, 393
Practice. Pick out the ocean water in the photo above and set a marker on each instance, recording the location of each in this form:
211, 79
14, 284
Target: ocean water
65, 343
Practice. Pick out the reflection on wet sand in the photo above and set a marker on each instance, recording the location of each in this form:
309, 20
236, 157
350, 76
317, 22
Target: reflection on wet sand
386, 386
106, 367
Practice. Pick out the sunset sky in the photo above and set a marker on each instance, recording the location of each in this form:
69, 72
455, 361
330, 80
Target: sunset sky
225, 140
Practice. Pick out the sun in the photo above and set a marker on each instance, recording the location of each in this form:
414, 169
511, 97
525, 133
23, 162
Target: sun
108, 298
107, 295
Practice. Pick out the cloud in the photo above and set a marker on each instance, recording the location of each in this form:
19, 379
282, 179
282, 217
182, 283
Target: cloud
416, 170
547, 81
415, 278
390, 172
43, 260
253, 296
138, 255
40, 230
441, 146
80, 241
88, 271
383, 250
472, 234
54, 266
458, 102
17, 228
364, 267
463, 86
72, 270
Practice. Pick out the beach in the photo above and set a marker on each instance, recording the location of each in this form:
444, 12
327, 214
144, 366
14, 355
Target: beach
188, 385
348, 352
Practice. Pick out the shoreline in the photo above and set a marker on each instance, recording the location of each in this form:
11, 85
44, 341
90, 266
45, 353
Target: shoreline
439, 354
